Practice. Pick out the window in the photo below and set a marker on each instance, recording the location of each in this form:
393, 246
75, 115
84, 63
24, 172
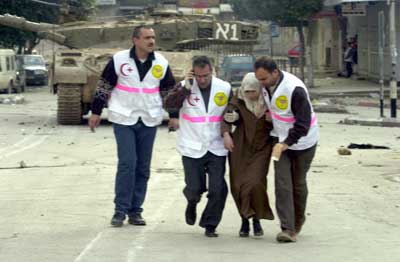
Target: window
13, 63
1, 60
34, 60
8, 65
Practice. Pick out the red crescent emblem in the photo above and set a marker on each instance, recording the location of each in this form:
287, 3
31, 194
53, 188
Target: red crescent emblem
190, 102
123, 71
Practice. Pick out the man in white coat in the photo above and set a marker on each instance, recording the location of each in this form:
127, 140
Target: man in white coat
202, 99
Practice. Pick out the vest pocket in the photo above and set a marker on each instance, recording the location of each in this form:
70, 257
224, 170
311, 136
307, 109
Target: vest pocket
157, 100
119, 109
190, 143
155, 112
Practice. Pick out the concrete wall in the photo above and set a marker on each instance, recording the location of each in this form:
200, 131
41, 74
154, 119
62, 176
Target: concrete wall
288, 37
366, 28
326, 44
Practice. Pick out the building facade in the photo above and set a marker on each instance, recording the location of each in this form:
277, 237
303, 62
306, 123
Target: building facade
360, 20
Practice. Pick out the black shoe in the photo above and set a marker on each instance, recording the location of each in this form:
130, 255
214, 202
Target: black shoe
190, 213
137, 220
245, 228
210, 232
118, 219
257, 229
299, 225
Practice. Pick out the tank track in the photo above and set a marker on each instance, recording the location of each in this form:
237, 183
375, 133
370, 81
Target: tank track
69, 108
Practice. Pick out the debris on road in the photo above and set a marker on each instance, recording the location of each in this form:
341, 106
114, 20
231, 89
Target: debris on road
366, 146
22, 164
12, 100
343, 151
327, 106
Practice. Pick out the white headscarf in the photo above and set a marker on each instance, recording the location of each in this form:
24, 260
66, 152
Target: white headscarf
250, 83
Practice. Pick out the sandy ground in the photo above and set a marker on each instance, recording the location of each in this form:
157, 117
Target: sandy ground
58, 207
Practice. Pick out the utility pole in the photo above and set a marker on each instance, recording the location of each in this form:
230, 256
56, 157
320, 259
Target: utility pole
271, 29
393, 53
381, 38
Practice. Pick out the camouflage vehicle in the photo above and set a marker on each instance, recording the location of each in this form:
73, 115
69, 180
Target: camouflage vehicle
77, 70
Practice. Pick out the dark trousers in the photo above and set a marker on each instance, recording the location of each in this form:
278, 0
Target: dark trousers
291, 186
195, 179
349, 68
134, 146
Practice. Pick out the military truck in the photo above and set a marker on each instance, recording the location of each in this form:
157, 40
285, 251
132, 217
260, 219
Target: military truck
77, 70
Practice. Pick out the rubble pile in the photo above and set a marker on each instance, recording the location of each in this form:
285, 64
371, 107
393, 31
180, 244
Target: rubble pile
12, 100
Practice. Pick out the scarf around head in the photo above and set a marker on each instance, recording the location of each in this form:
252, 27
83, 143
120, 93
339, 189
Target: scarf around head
250, 83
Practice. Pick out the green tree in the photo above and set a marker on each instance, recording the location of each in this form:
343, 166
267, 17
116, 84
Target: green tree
47, 11
285, 12
10, 37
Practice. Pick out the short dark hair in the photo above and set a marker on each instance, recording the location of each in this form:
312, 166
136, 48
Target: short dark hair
266, 63
201, 61
137, 30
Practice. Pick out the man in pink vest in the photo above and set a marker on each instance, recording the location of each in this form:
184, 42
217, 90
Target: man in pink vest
201, 100
295, 131
132, 84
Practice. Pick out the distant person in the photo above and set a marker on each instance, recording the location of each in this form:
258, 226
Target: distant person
250, 147
355, 53
295, 132
201, 100
131, 84
350, 55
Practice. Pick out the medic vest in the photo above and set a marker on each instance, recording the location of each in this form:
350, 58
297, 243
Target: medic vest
281, 112
199, 130
132, 98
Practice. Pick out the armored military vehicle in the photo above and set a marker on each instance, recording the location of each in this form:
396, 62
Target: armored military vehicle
77, 70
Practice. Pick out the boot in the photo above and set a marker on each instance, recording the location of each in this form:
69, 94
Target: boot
257, 229
245, 228
190, 213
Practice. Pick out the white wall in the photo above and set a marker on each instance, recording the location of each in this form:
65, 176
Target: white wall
366, 28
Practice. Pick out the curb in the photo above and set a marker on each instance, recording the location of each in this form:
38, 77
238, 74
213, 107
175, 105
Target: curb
380, 122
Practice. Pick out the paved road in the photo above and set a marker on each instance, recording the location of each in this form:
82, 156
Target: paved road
59, 206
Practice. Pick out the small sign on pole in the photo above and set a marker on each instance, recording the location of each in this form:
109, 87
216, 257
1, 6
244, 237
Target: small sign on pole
354, 9
274, 30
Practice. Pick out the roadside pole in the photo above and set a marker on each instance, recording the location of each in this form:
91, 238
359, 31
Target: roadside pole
271, 30
381, 41
393, 52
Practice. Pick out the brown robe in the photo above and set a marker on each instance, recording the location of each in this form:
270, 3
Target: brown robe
249, 161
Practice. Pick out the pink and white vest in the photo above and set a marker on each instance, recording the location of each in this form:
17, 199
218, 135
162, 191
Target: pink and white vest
282, 116
132, 98
199, 129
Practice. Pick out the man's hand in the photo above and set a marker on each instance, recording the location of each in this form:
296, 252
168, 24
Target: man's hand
173, 124
277, 151
189, 80
94, 121
231, 117
228, 142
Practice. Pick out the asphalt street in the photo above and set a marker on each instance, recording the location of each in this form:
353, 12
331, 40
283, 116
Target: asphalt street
57, 187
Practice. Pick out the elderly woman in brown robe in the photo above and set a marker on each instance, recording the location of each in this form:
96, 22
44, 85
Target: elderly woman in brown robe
250, 151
